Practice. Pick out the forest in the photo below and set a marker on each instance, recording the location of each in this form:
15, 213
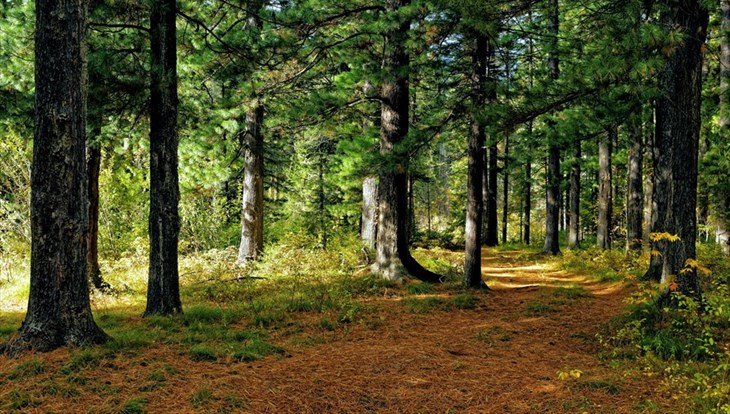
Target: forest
313, 206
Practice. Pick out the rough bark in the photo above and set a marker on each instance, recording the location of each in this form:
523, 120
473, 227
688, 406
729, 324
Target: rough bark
574, 204
659, 199
477, 138
677, 135
163, 290
393, 257
252, 197
58, 307
605, 202
490, 237
635, 199
552, 215
369, 228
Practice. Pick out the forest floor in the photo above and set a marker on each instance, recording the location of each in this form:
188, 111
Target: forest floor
527, 346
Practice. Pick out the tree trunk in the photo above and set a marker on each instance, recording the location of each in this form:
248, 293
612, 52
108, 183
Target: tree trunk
635, 199
605, 202
59, 312
93, 161
369, 226
490, 238
677, 136
477, 138
163, 290
527, 189
722, 233
659, 200
505, 190
393, 258
552, 215
574, 207
252, 207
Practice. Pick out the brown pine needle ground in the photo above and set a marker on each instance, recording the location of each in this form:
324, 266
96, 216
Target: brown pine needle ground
528, 346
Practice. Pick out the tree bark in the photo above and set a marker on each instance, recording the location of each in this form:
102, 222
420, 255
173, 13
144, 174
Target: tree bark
722, 234
93, 161
505, 190
527, 190
490, 238
393, 257
574, 207
163, 289
369, 226
59, 312
605, 202
677, 135
552, 215
252, 203
477, 138
635, 199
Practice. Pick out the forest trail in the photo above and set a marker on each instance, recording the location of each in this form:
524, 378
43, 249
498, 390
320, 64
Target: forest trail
505, 355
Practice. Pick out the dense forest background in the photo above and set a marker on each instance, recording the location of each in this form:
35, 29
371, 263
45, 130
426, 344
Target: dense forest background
310, 137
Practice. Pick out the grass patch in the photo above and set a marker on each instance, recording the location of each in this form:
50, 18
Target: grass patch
201, 397
27, 369
80, 360
465, 301
421, 288
257, 349
538, 308
134, 406
202, 353
571, 292
425, 305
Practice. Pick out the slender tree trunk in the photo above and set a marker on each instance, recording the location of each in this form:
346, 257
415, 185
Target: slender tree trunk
605, 202
252, 203
574, 208
369, 211
722, 233
93, 161
552, 217
527, 190
635, 200
505, 190
393, 258
491, 238
677, 135
659, 200
477, 138
59, 312
163, 289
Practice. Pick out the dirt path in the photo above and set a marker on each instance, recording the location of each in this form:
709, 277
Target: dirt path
504, 356
496, 358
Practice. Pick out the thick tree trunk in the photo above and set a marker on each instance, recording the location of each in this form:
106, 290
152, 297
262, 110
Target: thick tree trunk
635, 199
605, 202
58, 307
477, 138
252, 206
552, 214
163, 290
369, 226
574, 208
677, 136
393, 258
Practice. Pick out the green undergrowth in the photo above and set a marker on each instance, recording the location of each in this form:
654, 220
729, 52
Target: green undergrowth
686, 342
601, 265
